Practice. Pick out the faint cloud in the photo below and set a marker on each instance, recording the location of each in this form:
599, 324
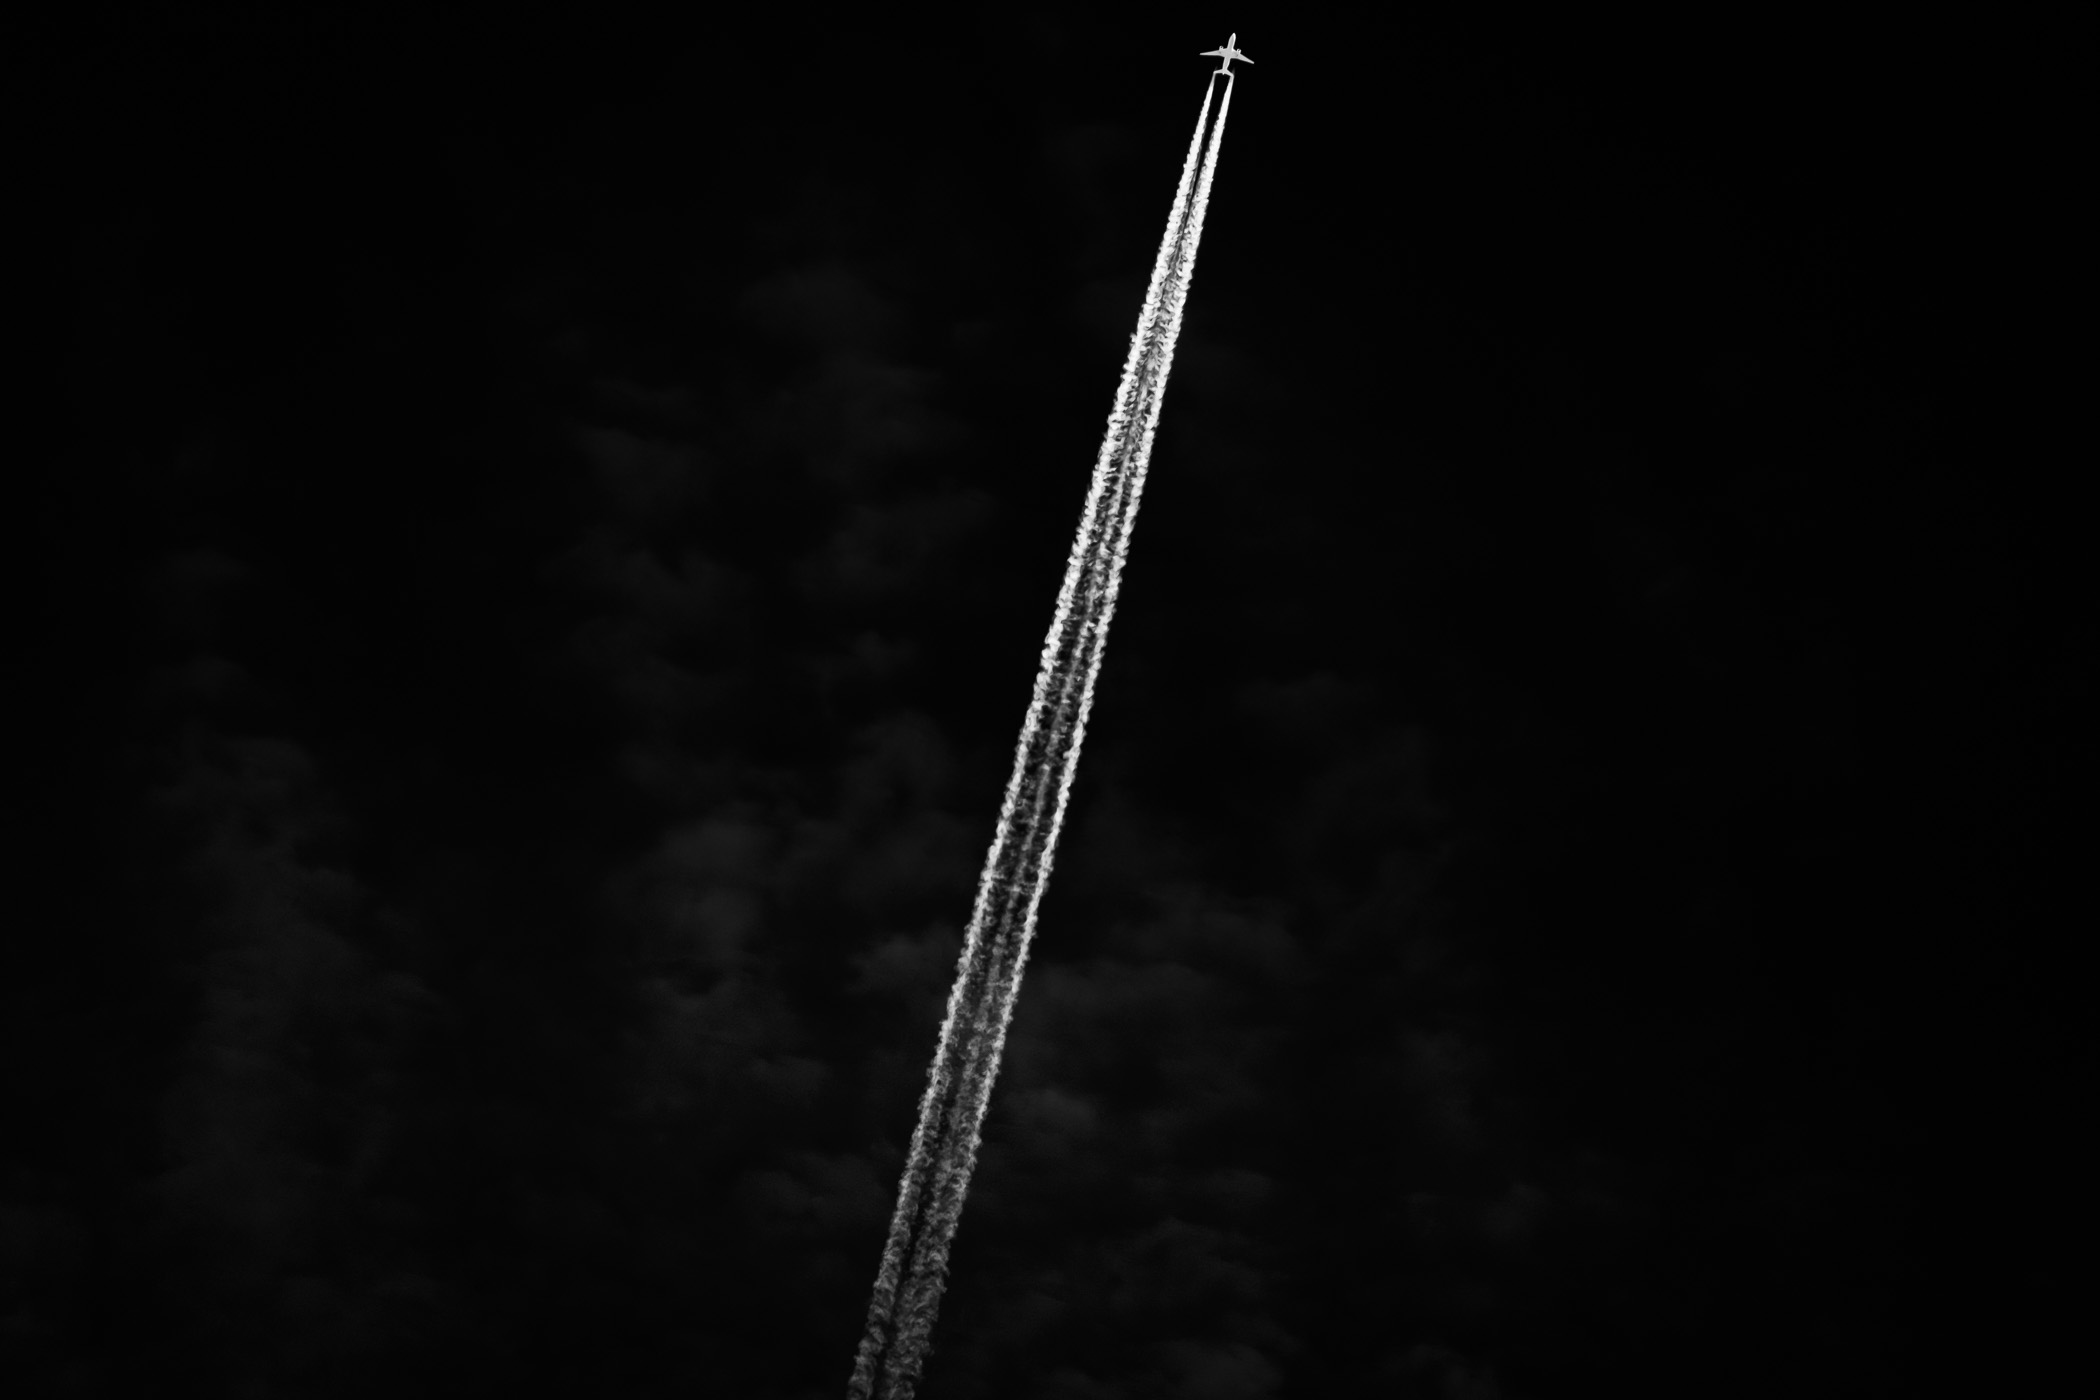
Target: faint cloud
855, 412
1236, 1188
729, 846
1078, 158
1175, 1265
657, 692
826, 306
1218, 1371
879, 551
696, 898
791, 1079
713, 1050
854, 407
927, 852
1441, 1067
674, 406
903, 760
1048, 1118
1066, 1383
1312, 710
1654, 581
889, 839
1515, 1216
204, 681
813, 1193
872, 656
1204, 927
1213, 369
190, 591
644, 481
1441, 1373
919, 966
1108, 306
1120, 845
294, 1026
669, 601
1364, 800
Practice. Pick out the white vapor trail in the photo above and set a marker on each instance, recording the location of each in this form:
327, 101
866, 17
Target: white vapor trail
936, 1176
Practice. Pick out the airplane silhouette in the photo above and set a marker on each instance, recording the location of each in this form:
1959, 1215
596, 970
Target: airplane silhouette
1228, 53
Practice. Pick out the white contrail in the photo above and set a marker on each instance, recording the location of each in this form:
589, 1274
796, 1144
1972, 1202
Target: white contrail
995, 950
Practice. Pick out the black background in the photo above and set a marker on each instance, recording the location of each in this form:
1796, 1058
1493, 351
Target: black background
549, 530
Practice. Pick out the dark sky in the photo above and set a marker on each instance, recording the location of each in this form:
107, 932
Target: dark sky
550, 532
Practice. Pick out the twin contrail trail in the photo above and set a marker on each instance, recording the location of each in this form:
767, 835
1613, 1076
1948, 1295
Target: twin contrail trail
936, 1177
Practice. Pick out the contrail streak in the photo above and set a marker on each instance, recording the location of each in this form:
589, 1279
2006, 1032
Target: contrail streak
995, 950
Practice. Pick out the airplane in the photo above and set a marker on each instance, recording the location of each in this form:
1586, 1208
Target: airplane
1228, 53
